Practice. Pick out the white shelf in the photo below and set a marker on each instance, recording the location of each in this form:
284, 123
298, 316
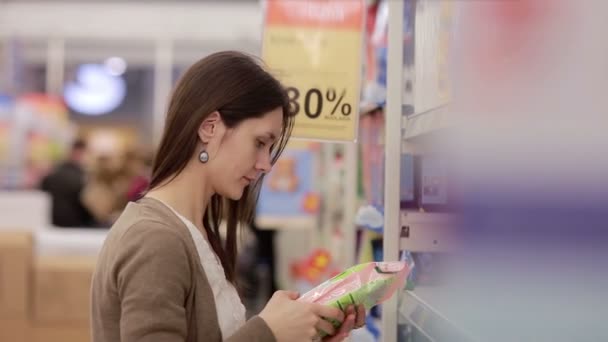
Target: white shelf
427, 217
427, 121
285, 223
427, 309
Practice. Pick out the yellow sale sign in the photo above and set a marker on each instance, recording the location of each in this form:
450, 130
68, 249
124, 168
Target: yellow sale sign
315, 48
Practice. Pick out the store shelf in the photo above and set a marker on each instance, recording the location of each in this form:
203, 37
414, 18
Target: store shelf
427, 310
427, 121
287, 223
428, 232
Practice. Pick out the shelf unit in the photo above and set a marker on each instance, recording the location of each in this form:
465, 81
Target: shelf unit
422, 309
393, 138
426, 122
428, 232
428, 317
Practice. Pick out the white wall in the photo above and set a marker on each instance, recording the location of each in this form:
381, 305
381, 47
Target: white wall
218, 21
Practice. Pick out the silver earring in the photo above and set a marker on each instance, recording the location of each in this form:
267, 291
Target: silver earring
203, 157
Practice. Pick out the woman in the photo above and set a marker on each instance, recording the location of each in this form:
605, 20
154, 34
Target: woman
102, 194
163, 273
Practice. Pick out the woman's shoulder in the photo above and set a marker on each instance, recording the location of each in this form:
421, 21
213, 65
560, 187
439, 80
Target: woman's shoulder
144, 245
148, 216
145, 229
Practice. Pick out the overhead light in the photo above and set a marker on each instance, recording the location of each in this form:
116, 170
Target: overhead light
116, 66
95, 91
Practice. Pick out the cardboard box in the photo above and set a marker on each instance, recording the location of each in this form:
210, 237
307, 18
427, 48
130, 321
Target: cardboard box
15, 274
62, 289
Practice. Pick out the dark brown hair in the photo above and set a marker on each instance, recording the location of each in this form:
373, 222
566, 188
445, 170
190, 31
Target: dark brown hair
239, 88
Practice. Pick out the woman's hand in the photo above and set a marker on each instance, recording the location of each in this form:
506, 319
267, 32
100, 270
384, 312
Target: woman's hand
293, 321
354, 320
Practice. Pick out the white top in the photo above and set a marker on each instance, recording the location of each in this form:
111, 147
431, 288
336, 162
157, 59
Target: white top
230, 309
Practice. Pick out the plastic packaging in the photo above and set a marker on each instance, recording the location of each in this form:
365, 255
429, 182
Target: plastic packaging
366, 284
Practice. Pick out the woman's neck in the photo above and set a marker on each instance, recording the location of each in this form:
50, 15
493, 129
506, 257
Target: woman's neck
188, 194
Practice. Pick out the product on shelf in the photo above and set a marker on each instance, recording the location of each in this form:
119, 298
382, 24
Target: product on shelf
317, 266
370, 217
366, 284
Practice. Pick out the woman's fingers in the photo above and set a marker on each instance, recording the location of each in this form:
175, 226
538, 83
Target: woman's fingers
355, 318
326, 327
360, 321
348, 325
328, 312
345, 329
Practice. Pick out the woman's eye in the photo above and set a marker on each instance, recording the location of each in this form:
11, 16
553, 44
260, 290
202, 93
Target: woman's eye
260, 144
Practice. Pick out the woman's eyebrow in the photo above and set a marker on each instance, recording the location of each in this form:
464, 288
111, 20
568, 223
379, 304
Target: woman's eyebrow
270, 136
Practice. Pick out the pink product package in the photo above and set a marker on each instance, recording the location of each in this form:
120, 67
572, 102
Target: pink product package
366, 284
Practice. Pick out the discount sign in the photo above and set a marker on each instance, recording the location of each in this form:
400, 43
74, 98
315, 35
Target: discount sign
315, 48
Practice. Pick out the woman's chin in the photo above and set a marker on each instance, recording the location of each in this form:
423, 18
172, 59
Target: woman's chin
236, 197
233, 194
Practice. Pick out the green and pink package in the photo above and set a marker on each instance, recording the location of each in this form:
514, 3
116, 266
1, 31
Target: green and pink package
366, 284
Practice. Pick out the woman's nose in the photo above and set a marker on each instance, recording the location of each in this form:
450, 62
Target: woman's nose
263, 164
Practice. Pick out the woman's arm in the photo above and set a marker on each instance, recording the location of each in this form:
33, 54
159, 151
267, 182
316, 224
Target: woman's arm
153, 278
255, 330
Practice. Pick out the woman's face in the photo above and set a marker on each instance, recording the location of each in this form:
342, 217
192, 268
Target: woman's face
238, 156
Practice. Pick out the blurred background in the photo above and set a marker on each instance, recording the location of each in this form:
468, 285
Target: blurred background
480, 157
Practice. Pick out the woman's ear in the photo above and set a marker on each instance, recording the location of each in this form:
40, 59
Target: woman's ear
209, 127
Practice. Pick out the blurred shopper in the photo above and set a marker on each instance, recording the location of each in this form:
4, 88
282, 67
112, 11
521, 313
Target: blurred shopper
163, 273
65, 184
103, 194
137, 172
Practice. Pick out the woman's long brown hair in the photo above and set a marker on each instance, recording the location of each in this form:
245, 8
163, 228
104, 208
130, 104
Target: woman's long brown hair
239, 88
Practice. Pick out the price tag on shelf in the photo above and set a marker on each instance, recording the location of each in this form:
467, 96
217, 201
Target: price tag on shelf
315, 48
